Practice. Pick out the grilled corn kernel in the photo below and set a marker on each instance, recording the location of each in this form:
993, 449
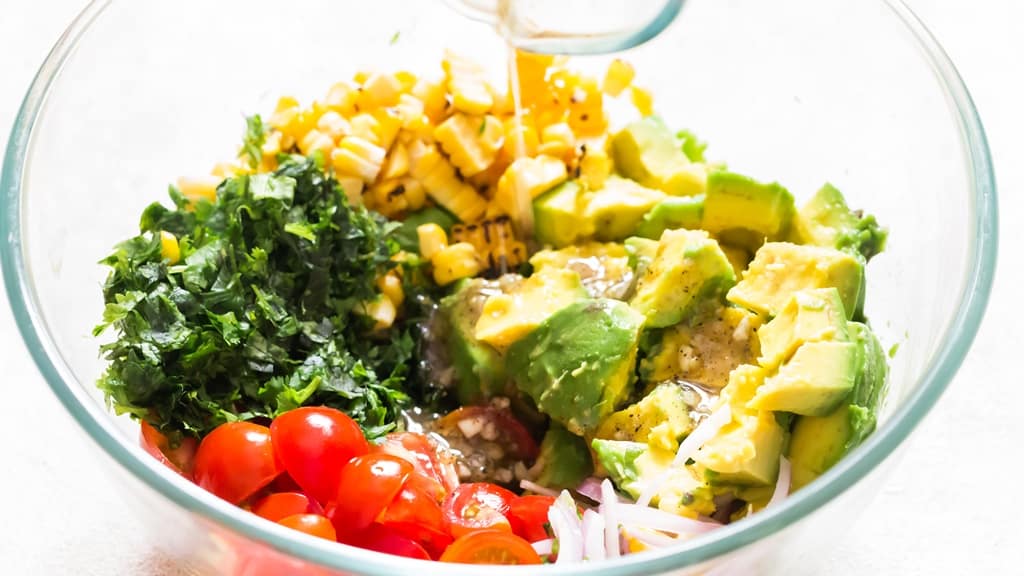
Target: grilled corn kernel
415, 195
455, 262
618, 77
388, 125
406, 80
377, 91
353, 187
643, 101
365, 126
389, 198
557, 140
410, 109
396, 164
467, 85
169, 249
440, 181
390, 285
434, 98
524, 130
333, 125
341, 98
595, 166
495, 242
529, 177
432, 239
472, 142
356, 156
199, 187
381, 310
316, 140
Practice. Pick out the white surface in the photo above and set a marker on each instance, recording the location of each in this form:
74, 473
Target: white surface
941, 513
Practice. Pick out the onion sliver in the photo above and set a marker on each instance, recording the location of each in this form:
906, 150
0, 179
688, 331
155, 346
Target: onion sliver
565, 523
609, 509
700, 435
782, 484
655, 519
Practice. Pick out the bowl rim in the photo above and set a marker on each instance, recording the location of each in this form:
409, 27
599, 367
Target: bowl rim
954, 345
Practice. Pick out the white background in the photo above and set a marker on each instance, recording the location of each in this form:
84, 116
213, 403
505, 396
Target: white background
953, 506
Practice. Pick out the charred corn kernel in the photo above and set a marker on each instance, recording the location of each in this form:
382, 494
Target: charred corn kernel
466, 83
595, 165
471, 142
423, 157
415, 195
396, 164
527, 132
557, 140
199, 187
378, 91
388, 125
406, 80
316, 140
169, 249
365, 125
287, 142
381, 310
353, 188
529, 177
586, 108
618, 77
442, 184
359, 157
333, 125
432, 239
341, 98
643, 101
455, 262
390, 285
495, 242
488, 179
434, 98
389, 198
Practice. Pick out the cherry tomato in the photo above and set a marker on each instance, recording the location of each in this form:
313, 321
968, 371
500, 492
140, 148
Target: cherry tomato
181, 458
416, 514
388, 541
312, 524
236, 460
273, 507
477, 506
511, 433
367, 486
284, 483
313, 444
528, 516
422, 452
491, 547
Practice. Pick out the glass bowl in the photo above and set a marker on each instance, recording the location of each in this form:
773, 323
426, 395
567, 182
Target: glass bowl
135, 94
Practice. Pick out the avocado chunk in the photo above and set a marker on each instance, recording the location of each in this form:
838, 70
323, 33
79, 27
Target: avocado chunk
646, 151
705, 349
617, 209
507, 317
671, 213
641, 253
808, 316
604, 269
661, 419
619, 458
688, 270
406, 235
746, 451
578, 363
818, 442
479, 370
738, 257
811, 383
780, 268
827, 221
565, 457
742, 211
558, 216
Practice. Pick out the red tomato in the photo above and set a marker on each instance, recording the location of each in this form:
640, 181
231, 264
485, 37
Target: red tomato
422, 452
415, 513
381, 539
528, 515
236, 460
511, 433
312, 524
273, 507
368, 485
284, 483
491, 547
181, 458
313, 444
477, 506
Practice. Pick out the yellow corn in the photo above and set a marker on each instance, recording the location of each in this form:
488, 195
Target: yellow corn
406, 80
396, 164
557, 140
434, 98
353, 187
224, 170
381, 310
333, 125
595, 165
378, 91
356, 156
410, 110
472, 142
442, 183
316, 140
389, 198
432, 239
199, 187
169, 249
643, 101
516, 130
271, 145
341, 98
455, 262
467, 85
415, 195
390, 285
365, 126
388, 125
530, 177
495, 242
618, 77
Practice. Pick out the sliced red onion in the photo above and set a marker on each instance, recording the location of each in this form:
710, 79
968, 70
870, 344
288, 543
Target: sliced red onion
565, 523
543, 547
651, 538
655, 519
609, 509
782, 484
537, 488
591, 488
700, 435
593, 536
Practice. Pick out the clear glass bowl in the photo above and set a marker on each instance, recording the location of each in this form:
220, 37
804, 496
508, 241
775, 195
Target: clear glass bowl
802, 91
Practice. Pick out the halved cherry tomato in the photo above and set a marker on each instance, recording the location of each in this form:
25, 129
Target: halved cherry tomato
312, 524
511, 433
313, 444
273, 507
367, 486
180, 458
236, 460
477, 506
529, 515
382, 539
422, 452
416, 514
491, 547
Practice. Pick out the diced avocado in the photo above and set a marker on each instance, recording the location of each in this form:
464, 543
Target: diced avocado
738, 257
808, 316
565, 457
811, 383
661, 419
559, 216
705, 349
406, 235
688, 270
617, 209
507, 317
604, 269
818, 442
619, 458
646, 151
578, 364
479, 369
671, 213
742, 211
827, 221
780, 268
746, 451
641, 253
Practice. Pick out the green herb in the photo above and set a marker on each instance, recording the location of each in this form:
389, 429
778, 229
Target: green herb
394, 37
255, 137
483, 126
260, 315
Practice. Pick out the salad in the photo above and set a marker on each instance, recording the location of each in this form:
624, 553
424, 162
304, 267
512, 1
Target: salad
425, 317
